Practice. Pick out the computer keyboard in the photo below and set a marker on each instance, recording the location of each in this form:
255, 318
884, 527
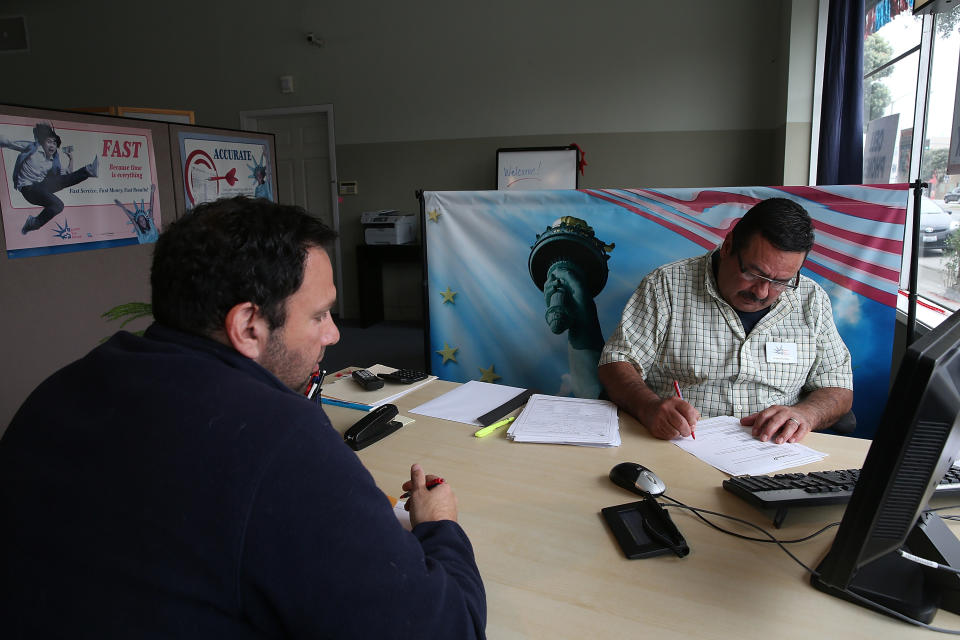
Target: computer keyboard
810, 489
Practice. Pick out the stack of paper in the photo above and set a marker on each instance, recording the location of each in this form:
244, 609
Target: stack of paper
554, 420
468, 401
729, 446
346, 390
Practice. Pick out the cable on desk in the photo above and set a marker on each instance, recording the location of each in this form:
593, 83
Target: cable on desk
897, 614
780, 543
906, 555
770, 537
952, 506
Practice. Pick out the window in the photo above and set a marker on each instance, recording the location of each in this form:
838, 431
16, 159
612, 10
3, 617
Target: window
894, 49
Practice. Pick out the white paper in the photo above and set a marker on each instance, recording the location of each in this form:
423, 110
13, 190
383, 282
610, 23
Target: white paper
555, 420
468, 402
724, 443
403, 515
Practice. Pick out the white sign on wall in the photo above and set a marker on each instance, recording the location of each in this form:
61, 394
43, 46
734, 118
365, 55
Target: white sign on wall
546, 168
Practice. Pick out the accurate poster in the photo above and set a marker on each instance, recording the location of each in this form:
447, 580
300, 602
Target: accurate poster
501, 311
73, 186
218, 166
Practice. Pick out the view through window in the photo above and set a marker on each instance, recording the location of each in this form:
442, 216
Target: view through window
892, 56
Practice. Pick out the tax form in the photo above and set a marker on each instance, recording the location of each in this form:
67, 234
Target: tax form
724, 443
561, 420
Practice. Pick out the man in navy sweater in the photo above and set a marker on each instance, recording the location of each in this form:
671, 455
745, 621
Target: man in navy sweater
179, 484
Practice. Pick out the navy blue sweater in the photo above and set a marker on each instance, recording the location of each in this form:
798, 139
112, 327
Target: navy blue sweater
167, 486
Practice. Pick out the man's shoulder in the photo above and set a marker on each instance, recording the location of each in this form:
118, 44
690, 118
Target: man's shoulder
678, 270
196, 380
179, 401
811, 292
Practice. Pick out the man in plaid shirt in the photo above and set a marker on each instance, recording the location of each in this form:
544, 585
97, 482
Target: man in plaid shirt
740, 331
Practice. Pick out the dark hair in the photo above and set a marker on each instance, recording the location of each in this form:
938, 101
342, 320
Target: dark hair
228, 252
44, 130
782, 222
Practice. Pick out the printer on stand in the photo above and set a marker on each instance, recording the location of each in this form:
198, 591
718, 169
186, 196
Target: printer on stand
387, 227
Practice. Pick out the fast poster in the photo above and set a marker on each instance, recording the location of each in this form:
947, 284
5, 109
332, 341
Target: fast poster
495, 316
72, 186
218, 166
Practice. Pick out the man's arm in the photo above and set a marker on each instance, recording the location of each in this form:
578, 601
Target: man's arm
324, 555
15, 145
666, 418
818, 410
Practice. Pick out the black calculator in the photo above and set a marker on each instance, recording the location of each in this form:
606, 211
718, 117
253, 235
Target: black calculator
404, 376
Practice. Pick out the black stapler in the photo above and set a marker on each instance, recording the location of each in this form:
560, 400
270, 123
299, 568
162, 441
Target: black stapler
376, 425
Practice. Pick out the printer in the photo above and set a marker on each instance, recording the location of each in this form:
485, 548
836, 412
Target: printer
387, 227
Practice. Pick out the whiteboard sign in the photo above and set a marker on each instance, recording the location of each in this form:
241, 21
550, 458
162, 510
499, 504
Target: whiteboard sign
544, 168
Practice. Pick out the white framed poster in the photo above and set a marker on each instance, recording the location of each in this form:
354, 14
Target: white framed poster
537, 168
218, 164
74, 185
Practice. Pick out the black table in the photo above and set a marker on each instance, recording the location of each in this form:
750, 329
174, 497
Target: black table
370, 261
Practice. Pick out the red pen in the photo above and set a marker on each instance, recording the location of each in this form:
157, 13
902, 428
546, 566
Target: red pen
676, 387
430, 485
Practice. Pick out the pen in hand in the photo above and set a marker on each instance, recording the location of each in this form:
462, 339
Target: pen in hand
676, 387
430, 485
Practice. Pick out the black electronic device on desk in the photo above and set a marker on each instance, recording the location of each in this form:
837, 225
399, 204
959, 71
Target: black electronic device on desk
816, 488
367, 380
376, 425
403, 376
890, 553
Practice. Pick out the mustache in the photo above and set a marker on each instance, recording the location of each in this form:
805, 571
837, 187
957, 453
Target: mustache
752, 298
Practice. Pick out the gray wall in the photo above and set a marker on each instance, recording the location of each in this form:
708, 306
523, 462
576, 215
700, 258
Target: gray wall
658, 94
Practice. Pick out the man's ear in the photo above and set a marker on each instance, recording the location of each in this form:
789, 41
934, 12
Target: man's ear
246, 329
726, 248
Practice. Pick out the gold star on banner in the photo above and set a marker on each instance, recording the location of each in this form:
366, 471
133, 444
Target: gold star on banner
488, 375
448, 353
434, 215
448, 296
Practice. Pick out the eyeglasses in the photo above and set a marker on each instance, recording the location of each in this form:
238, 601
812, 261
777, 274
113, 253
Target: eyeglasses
777, 285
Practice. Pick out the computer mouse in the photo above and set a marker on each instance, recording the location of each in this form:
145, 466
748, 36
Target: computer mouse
637, 478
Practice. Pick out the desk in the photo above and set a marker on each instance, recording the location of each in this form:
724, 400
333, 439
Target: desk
553, 570
370, 260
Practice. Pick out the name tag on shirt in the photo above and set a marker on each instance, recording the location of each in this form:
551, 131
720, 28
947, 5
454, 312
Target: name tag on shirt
782, 352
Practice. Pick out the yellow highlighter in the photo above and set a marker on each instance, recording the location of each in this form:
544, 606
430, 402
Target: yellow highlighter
496, 425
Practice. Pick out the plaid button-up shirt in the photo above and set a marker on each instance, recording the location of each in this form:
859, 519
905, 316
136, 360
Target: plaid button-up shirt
676, 326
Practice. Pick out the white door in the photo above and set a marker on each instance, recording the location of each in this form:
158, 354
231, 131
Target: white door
306, 164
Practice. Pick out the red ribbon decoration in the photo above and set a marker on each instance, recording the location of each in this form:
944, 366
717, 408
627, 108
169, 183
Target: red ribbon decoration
582, 155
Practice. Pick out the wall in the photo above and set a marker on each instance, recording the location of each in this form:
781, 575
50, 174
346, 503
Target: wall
52, 304
658, 94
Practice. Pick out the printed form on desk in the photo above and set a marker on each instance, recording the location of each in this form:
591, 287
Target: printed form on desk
724, 443
555, 420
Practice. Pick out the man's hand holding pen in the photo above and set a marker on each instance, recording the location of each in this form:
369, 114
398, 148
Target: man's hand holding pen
429, 497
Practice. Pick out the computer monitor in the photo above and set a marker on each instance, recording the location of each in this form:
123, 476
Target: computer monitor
917, 441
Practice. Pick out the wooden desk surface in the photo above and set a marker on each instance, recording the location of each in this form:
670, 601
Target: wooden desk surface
552, 569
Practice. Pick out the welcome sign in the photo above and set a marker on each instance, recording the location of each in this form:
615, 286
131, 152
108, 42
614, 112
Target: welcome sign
537, 168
